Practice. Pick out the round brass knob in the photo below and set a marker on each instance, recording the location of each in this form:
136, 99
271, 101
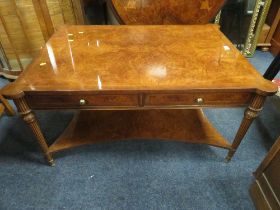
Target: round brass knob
82, 101
199, 100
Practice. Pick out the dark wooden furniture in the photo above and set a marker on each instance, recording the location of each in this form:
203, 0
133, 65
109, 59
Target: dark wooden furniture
265, 190
160, 12
269, 28
136, 82
273, 68
273, 20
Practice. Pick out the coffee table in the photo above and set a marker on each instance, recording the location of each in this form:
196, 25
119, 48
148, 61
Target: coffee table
139, 82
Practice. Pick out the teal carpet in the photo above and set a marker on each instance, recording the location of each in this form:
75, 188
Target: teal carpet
134, 174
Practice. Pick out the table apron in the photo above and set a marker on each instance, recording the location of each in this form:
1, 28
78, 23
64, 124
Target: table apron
138, 100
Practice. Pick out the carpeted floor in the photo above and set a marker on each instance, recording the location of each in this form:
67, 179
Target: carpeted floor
134, 174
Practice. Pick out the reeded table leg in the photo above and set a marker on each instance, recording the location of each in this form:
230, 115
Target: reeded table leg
30, 119
250, 114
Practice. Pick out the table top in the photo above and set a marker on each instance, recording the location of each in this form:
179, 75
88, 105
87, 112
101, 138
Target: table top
139, 58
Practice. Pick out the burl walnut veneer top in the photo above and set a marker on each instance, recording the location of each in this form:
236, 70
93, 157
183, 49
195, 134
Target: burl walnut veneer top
160, 12
139, 58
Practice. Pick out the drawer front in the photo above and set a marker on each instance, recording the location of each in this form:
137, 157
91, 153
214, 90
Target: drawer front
80, 101
198, 99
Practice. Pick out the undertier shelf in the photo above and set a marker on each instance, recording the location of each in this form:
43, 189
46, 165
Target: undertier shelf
184, 125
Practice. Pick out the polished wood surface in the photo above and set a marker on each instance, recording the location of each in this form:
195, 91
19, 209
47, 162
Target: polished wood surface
140, 58
166, 12
98, 126
265, 190
144, 77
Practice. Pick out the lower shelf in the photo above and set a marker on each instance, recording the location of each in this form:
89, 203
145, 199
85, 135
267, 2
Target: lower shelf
187, 125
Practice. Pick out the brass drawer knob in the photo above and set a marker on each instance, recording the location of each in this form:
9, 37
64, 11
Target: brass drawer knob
199, 100
82, 101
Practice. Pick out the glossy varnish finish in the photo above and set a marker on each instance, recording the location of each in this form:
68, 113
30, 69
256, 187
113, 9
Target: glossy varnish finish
140, 70
140, 58
166, 11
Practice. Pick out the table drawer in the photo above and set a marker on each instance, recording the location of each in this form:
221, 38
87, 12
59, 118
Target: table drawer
80, 101
199, 99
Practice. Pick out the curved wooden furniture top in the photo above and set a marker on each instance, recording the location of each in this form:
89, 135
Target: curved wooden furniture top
140, 58
158, 12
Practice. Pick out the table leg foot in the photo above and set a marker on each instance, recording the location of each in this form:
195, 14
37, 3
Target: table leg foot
229, 156
227, 159
50, 161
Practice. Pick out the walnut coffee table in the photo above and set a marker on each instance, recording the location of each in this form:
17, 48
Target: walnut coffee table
139, 82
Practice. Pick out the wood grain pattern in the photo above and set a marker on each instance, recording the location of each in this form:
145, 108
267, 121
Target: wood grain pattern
73, 101
143, 12
146, 100
209, 99
178, 125
140, 58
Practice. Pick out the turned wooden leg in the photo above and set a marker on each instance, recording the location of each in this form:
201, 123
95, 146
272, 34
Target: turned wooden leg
8, 108
30, 119
250, 114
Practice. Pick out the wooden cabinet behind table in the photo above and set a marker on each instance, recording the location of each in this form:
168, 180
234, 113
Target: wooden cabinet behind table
269, 38
265, 191
273, 20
